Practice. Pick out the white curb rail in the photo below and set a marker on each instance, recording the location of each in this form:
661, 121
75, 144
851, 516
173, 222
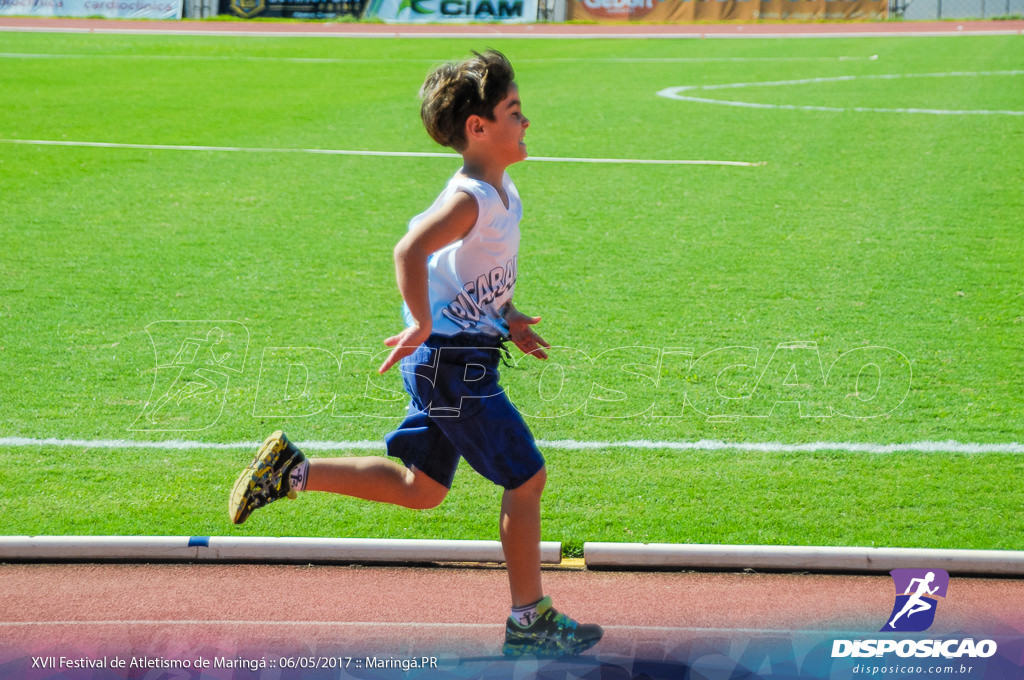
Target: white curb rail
798, 558
256, 549
625, 556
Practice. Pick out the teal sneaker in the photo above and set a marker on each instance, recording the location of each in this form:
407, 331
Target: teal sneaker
552, 634
265, 480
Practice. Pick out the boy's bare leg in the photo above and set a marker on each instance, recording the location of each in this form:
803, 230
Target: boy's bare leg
375, 478
520, 539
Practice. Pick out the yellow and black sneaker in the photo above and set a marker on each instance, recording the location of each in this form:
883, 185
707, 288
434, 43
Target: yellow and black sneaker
265, 480
550, 634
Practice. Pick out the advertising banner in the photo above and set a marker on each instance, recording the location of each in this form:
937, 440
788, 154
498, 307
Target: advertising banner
108, 9
453, 11
684, 11
292, 9
824, 9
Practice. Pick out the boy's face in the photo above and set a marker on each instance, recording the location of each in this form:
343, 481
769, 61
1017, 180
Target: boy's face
508, 129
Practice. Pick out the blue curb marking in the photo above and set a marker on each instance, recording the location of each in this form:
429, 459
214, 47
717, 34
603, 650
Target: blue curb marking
199, 542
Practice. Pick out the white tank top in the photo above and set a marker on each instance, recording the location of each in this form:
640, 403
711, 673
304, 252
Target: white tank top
472, 279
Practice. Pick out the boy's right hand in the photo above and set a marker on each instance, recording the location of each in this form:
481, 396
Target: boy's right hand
405, 343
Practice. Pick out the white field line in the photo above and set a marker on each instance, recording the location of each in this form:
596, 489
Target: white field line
386, 154
938, 447
335, 60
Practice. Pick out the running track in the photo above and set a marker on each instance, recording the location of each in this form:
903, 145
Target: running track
659, 625
356, 30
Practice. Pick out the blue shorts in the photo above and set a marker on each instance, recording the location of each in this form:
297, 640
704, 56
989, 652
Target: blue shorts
458, 410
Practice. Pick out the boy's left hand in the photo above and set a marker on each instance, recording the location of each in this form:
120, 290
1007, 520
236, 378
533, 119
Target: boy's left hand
405, 343
523, 336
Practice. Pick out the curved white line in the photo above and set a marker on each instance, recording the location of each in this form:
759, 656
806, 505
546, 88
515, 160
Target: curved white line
676, 93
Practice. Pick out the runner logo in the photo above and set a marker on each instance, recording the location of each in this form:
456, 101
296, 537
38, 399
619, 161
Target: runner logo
195, 361
917, 591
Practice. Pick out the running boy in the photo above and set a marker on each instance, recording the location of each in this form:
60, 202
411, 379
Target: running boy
456, 269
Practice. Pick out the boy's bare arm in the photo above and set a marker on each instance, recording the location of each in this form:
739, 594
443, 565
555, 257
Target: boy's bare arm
449, 224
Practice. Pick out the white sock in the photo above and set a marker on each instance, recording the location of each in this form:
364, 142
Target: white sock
297, 477
525, 616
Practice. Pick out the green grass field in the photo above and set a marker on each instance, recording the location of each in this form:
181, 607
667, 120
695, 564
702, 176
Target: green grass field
891, 240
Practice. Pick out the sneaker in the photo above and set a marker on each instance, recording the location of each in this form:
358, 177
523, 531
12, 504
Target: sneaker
552, 634
266, 478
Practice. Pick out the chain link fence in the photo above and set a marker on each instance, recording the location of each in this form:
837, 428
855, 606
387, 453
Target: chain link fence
956, 9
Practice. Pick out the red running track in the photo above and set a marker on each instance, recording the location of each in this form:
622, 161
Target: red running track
636, 30
271, 612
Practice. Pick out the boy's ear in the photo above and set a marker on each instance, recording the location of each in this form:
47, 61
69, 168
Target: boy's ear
475, 127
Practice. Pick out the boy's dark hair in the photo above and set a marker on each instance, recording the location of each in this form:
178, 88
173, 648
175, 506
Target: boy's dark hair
457, 90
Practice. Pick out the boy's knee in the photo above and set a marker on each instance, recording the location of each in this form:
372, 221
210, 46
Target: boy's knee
425, 493
427, 500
